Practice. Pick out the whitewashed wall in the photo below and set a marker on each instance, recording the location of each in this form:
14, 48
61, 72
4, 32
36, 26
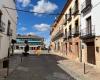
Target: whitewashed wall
96, 16
7, 15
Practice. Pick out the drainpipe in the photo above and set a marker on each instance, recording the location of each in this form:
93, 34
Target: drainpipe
80, 50
80, 41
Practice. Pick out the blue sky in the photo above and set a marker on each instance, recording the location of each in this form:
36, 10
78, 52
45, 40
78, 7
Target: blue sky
34, 23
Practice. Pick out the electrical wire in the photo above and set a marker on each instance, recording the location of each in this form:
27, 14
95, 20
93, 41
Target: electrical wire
34, 12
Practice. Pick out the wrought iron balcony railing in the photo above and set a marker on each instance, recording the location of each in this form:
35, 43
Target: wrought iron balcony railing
69, 35
88, 32
86, 6
75, 32
58, 35
65, 37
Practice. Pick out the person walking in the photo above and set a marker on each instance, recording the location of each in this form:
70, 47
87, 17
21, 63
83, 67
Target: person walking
39, 50
26, 49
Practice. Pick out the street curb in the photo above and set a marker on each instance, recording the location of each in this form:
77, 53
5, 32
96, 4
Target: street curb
72, 73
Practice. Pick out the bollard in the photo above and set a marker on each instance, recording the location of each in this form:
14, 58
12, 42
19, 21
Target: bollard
84, 68
21, 58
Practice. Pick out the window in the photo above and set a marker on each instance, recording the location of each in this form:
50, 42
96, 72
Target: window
70, 47
66, 32
88, 2
70, 12
76, 26
76, 4
8, 29
97, 49
55, 46
88, 22
70, 30
58, 46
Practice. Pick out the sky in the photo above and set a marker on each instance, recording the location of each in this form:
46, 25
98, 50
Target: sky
35, 23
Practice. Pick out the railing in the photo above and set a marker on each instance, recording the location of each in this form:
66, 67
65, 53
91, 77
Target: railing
65, 37
2, 29
88, 33
86, 5
69, 34
75, 32
58, 35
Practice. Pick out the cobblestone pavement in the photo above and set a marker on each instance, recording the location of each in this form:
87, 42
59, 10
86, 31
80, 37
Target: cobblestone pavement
42, 67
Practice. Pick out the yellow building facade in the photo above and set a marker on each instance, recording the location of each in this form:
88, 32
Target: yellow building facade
68, 24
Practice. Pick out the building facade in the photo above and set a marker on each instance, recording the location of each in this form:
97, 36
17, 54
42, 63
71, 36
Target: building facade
57, 35
90, 32
69, 23
71, 28
8, 21
34, 42
80, 41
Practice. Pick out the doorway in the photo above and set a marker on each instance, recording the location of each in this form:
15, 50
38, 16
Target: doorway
66, 47
77, 49
91, 53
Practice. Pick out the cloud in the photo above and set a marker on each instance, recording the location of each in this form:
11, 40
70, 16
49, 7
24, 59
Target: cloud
24, 2
23, 29
31, 33
42, 27
44, 6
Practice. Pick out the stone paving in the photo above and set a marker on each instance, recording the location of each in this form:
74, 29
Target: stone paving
42, 67
76, 69
14, 61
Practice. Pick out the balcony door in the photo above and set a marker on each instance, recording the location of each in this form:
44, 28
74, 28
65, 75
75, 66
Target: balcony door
70, 30
89, 28
76, 26
88, 2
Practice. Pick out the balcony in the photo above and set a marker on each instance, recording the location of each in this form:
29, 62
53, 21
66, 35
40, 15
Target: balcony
65, 37
65, 22
88, 33
86, 6
9, 33
75, 32
58, 35
2, 29
69, 17
75, 9
69, 35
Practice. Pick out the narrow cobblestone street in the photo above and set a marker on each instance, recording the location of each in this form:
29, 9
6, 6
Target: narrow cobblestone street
42, 67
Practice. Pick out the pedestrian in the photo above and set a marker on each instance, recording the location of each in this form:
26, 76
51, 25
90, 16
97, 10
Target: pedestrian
48, 49
38, 50
26, 49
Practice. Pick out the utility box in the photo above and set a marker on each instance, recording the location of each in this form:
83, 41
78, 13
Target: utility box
6, 63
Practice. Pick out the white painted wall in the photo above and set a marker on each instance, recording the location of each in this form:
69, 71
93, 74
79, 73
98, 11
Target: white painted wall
12, 16
95, 16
